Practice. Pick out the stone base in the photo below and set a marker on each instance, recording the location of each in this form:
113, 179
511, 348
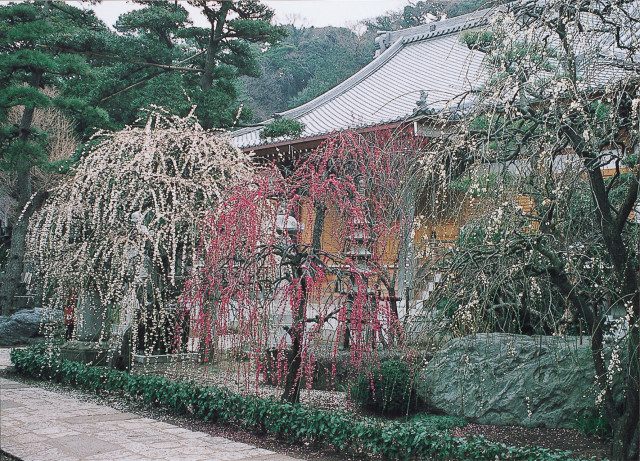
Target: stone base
89, 352
163, 358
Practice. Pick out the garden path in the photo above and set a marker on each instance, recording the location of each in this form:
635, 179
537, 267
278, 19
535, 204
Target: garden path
37, 424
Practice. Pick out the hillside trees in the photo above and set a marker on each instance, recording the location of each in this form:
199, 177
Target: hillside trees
421, 12
122, 232
310, 61
285, 255
548, 150
29, 34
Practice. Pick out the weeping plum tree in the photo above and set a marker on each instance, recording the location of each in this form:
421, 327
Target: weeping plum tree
295, 260
546, 151
122, 231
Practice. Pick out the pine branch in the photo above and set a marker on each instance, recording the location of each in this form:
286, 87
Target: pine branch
167, 67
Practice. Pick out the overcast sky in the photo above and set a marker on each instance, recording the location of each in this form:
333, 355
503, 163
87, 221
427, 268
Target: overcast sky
300, 12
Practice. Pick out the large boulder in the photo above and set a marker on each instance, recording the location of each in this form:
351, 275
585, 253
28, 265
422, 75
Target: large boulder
512, 379
22, 327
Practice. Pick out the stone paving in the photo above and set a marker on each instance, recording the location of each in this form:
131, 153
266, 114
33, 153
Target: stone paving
36, 424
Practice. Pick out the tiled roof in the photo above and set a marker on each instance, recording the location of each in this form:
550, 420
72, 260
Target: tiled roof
422, 70
417, 60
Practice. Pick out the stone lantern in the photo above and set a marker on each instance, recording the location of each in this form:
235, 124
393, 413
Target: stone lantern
288, 224
289, 228
359, 244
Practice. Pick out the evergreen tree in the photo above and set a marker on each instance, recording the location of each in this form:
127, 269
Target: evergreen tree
422, 12
157, 58
143, 64
163, 59
31, 37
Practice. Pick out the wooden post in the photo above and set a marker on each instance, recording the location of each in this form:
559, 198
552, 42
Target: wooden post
580, 323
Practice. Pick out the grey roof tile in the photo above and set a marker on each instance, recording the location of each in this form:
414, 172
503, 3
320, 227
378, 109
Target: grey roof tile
387, 89
415, 60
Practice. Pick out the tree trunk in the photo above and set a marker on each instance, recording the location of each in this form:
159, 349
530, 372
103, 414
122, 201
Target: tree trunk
627, 426
395, 330
293, 381
217, 29
13, 271
10, 280
624, 421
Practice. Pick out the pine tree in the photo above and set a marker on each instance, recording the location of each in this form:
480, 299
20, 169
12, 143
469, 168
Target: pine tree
165, 60
156, 58
31, 36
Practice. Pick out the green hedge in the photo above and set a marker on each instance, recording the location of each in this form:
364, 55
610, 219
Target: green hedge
421, 437
387, 389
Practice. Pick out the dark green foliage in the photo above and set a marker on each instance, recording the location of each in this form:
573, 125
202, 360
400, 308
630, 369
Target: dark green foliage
432, 423
595, 424
42, 45
282, 127
425, 437
388, 389
160, 58
30, 60
148, 35
418, 13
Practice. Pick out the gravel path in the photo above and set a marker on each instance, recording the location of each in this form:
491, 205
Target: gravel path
240, 378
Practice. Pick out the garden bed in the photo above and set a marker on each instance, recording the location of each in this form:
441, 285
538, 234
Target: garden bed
231, 375
353, 436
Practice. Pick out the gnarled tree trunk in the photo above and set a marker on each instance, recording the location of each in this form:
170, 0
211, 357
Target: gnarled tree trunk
10, 280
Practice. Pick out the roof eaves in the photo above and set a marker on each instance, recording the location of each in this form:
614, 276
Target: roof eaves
314, 136
249, 129
621, 63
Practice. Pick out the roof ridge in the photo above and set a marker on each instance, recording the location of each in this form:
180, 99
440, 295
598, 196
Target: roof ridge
439, 32
449, 25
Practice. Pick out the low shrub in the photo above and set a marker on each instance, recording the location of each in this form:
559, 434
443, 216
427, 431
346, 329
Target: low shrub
331, 369
282, 127
422, 437
595, 424
335, 370
387, 389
